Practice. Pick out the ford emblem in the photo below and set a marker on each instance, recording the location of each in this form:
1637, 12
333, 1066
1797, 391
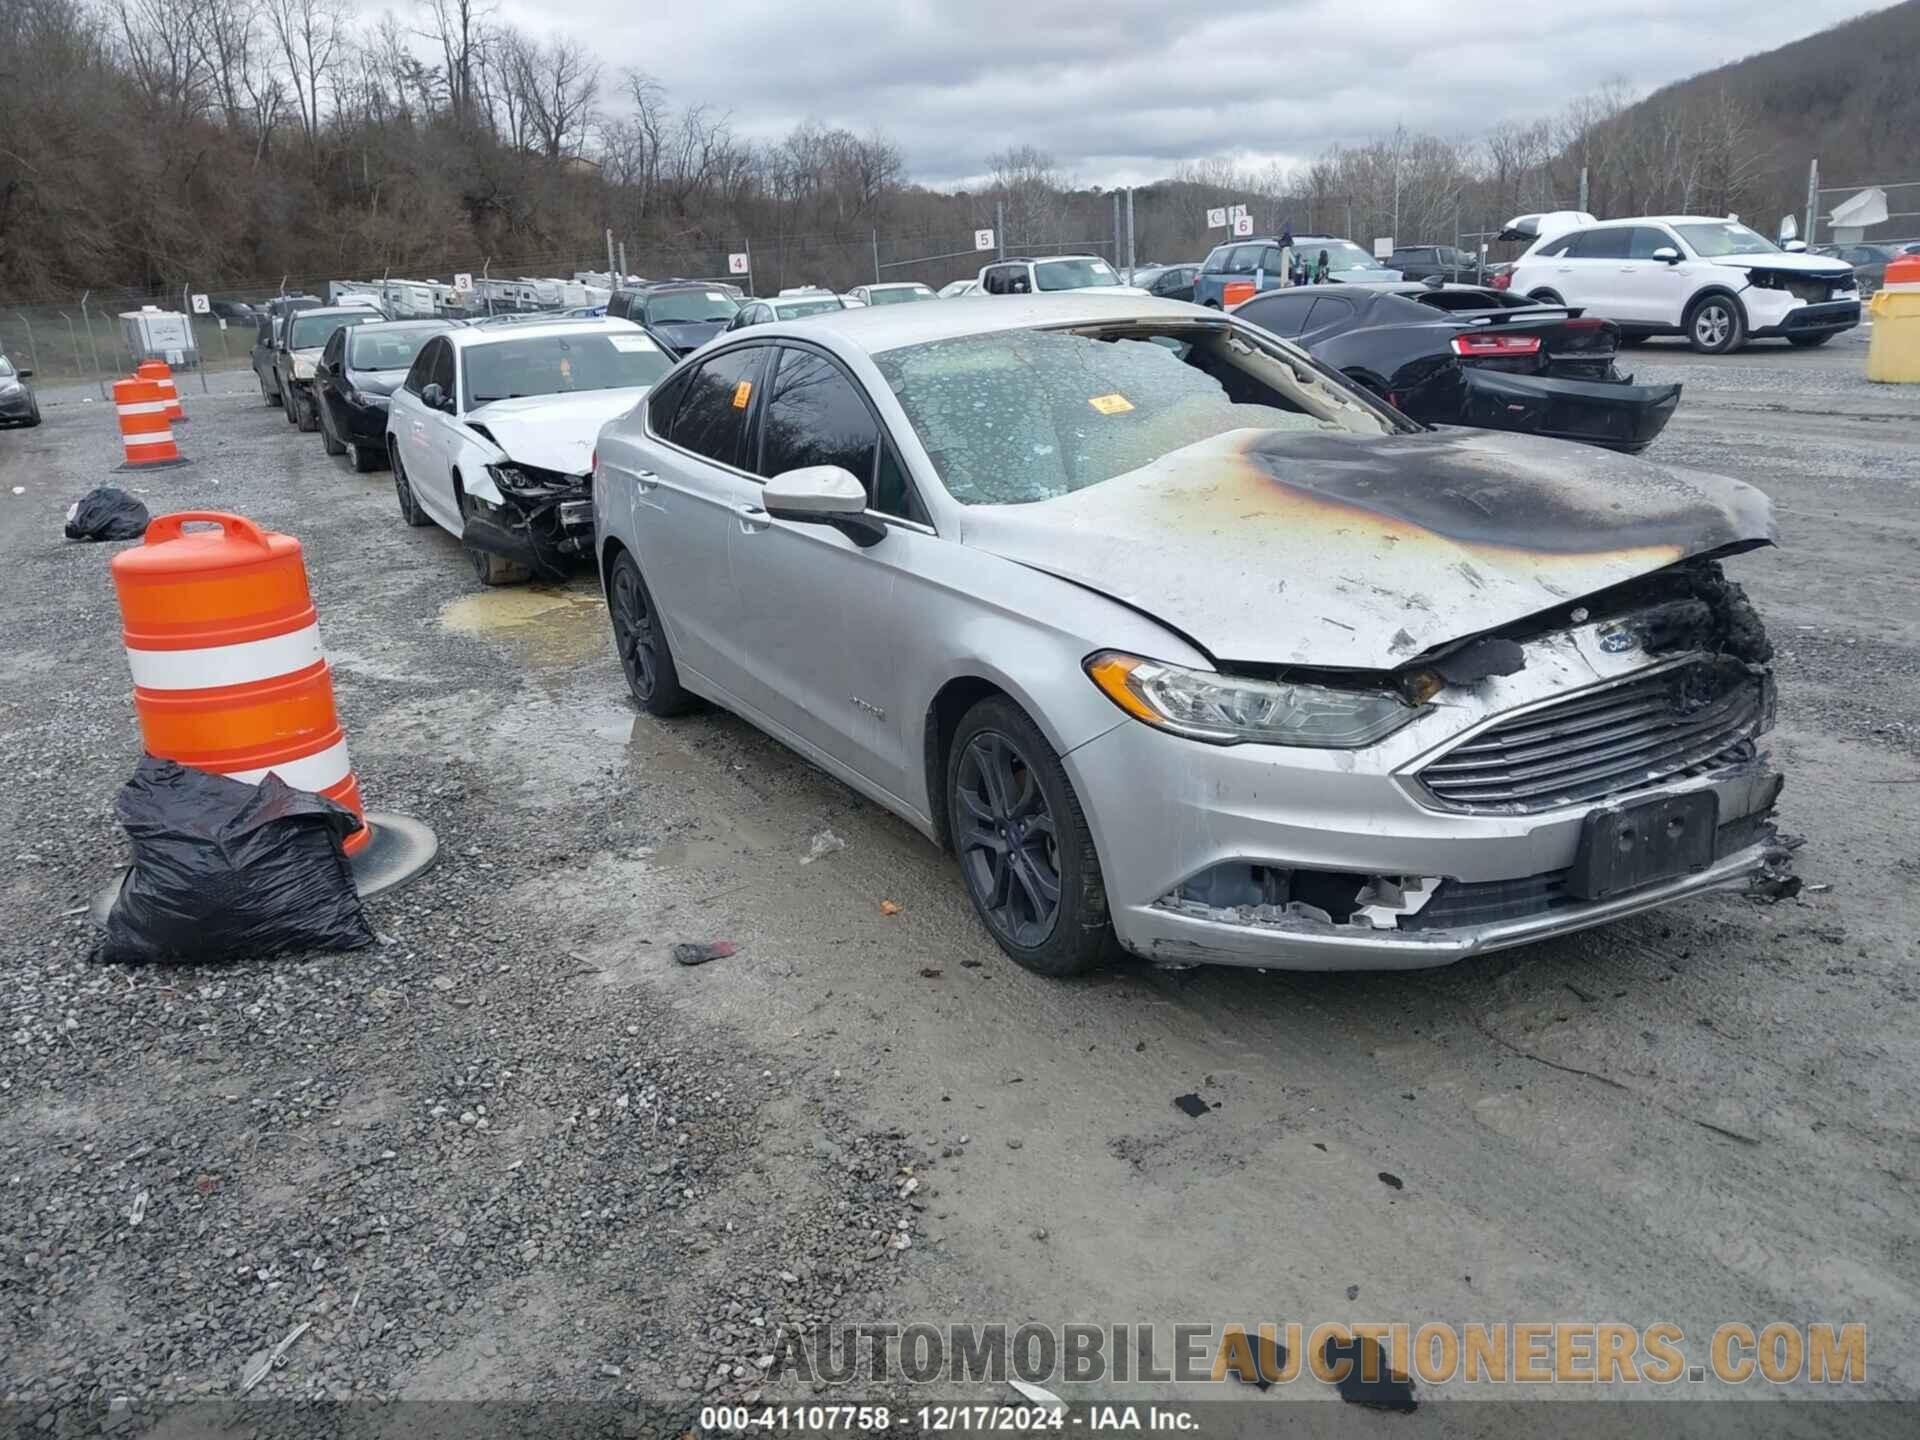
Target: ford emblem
1618, 641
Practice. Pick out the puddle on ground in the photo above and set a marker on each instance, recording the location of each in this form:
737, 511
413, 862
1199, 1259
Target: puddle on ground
547, 624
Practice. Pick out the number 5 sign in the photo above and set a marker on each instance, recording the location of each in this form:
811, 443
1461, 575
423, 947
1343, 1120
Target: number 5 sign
983, 239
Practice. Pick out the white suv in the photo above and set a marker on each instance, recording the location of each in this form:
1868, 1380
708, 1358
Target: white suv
1051, 273
1714, 281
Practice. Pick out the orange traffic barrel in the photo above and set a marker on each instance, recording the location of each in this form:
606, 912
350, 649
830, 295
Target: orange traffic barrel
145, 430
161, 374
1236, 292
224, 645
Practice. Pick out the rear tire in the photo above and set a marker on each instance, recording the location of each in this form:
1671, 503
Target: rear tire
489, 568
1809, 342
1715, 325
640, 640
1026, 855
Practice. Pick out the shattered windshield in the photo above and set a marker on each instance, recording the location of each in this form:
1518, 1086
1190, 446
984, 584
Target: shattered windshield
560, 365
1024, 415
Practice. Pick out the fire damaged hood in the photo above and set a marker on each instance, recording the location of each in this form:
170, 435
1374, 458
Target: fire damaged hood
1270, 547
553, 432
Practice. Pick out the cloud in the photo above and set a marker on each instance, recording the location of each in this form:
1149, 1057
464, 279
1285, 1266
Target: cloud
1123, 90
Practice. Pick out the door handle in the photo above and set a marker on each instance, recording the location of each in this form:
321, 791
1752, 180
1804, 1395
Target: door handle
752, 519
645, 480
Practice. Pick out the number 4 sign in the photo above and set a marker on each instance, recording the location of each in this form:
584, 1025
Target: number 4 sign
739, 263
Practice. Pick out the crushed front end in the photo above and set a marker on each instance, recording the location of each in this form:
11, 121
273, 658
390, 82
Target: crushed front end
543, 519
1597, 761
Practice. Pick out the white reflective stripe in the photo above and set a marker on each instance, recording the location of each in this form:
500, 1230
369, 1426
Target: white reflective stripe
313, 772
149, 437
240, 664
142, 407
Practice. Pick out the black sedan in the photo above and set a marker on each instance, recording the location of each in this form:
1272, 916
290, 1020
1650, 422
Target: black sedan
17, 405
1464, 355
357, 372
1167, 282
681, 315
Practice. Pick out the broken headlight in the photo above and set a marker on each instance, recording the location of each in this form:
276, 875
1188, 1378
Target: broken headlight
531, 480
1232, 710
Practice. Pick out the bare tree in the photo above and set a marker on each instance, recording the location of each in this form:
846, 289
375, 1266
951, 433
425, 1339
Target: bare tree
311, 36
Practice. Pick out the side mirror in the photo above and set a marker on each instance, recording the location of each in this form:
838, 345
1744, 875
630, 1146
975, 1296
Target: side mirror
24, 374
823, 495
434, 398
1667, 253
1794, 247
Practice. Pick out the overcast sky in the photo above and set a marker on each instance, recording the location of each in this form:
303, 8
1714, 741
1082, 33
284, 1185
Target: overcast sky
1121, 90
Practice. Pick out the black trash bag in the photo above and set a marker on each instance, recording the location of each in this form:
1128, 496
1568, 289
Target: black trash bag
106, 514
226, 870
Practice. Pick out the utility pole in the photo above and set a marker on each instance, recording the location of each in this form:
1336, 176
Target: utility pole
1118, 257
1133, 260
874, 236
1000, 229
623, 260
613, 278
1583, 189
1813, 199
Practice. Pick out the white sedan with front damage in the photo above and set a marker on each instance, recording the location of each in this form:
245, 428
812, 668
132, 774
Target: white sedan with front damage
491, 436
1175, 639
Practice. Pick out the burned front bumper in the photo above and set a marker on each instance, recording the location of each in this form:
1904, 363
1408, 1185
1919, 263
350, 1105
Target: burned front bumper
1331, 860
1595, 412
548, 528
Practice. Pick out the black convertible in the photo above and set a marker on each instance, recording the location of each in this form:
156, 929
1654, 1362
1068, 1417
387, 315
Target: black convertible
1464, 355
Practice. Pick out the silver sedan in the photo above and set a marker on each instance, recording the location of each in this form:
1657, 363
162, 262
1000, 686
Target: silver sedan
1177, 640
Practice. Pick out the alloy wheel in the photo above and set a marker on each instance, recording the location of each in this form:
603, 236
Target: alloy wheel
1009, 844
635, 632
1712, 325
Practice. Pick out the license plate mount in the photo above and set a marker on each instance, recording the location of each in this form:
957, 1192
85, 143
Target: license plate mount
1627, 847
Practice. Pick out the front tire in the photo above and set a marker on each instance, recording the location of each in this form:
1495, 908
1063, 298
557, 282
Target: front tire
329, 441
1715, 325
306, 413
363, 458
410, 510
33, 415
488, 568
1026, 854
641, 642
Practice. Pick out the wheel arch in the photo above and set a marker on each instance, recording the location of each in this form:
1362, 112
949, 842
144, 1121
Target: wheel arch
1710, 291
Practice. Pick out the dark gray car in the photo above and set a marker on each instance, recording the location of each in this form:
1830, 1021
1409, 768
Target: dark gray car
17, 405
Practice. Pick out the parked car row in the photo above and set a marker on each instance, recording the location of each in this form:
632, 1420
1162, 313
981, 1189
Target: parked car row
18, 405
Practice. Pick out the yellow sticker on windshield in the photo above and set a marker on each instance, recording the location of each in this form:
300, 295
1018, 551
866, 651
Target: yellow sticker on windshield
1111, 404
742, 393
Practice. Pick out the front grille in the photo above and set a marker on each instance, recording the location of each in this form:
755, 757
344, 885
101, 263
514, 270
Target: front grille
1598, 744
1816, 289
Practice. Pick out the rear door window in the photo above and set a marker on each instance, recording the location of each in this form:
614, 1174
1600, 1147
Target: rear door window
712, 416
1604, 244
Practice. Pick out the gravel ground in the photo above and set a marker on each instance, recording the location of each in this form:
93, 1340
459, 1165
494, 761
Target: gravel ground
514, 1151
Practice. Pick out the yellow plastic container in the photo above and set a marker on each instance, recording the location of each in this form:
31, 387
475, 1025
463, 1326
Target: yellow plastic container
1893, 354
